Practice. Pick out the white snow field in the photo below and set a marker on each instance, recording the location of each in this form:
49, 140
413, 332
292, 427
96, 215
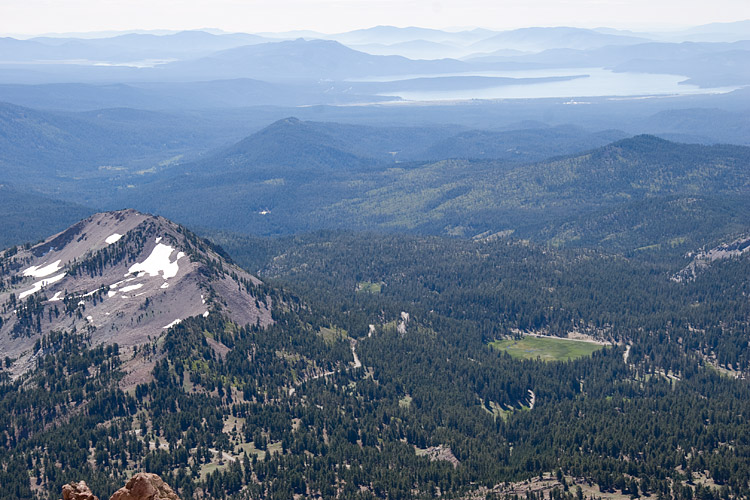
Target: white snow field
158, 262
173, 323
130, 288
113, 238
41, 272
40, 284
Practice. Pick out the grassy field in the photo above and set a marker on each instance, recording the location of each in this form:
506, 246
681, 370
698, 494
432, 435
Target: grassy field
369, 287
405, 402
331, 335
546, 349
498, 411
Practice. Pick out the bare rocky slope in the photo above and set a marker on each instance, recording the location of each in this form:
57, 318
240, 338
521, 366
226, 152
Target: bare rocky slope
703, 259
121, 277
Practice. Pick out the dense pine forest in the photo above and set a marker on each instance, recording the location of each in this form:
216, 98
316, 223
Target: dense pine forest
378, 379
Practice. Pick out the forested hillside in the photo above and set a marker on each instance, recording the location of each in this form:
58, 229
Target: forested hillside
29, 217
242, 429
501, 285
255, 187
380, 376
38, 149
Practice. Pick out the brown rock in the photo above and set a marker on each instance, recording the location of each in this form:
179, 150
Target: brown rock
145, 486
77, 491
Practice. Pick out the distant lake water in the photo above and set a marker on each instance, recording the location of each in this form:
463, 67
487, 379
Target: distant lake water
599, 82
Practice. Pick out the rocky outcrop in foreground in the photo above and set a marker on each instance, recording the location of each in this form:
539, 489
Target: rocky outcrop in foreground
142, 486
77, 491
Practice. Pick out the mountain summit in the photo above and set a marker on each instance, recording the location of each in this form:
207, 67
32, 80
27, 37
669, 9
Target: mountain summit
122, 277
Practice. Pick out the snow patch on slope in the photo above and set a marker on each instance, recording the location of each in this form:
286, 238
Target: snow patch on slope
41, 272
159, 262
113, 238
40, 284
173, 323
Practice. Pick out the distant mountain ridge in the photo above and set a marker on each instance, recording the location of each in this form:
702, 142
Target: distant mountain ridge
294, 144
298, 176
373, 52
39, 148
536, 39
304, 60
645, 165
124, 48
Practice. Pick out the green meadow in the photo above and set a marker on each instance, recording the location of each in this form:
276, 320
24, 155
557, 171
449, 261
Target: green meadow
546, 349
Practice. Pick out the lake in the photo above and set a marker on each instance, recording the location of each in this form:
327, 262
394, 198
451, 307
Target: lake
599, 82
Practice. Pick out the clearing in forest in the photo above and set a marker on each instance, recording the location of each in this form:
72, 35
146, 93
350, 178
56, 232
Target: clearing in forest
546, 348
369, 287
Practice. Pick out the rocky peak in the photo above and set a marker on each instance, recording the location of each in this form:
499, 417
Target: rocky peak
120, 277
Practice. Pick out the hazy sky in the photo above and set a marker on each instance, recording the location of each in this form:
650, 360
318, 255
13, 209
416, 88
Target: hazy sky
42, 16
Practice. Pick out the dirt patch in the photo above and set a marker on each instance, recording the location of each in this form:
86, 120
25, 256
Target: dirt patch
218, 347
440, 452
544, 486
138, 369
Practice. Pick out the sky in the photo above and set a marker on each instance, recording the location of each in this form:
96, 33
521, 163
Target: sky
332, 16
